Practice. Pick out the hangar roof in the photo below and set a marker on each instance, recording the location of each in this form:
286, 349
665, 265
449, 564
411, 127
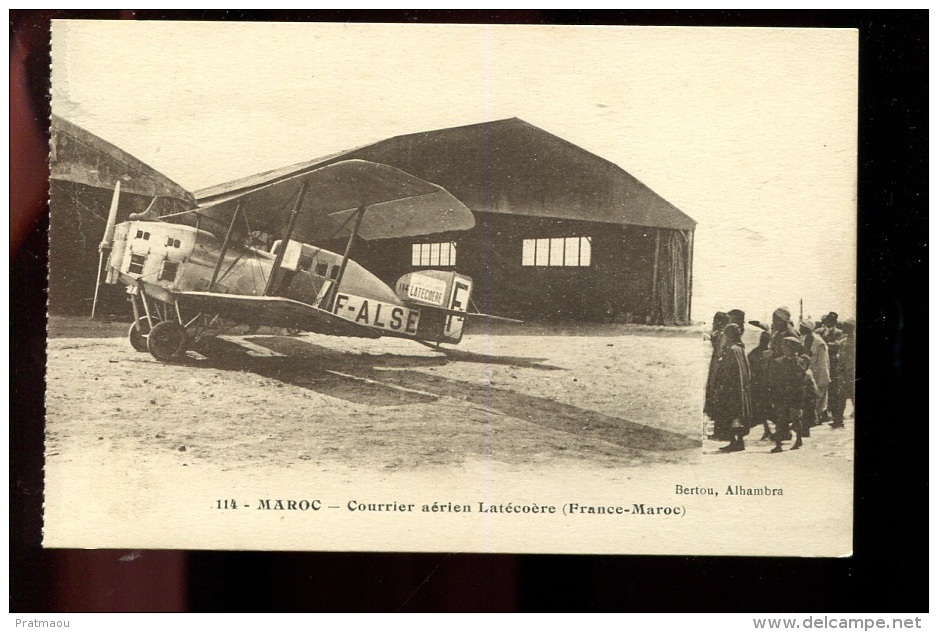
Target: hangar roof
507, 166
78, 156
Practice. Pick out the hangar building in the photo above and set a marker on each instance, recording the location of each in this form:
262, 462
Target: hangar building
560, 232
83, 169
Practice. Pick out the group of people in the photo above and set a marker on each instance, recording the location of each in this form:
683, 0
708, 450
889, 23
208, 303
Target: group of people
795, 379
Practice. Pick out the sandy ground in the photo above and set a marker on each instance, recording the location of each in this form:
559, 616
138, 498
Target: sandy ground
139, 453
609, 397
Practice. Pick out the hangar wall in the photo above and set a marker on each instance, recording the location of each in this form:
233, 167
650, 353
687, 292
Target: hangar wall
622, 283
77, 222
522, 182
83, 171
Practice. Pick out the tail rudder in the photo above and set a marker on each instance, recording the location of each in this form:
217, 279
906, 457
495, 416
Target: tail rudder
442, 297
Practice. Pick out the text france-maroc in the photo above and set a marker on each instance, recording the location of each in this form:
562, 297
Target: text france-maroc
638, 509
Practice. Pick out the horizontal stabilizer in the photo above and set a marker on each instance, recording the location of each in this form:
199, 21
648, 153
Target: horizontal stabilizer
473, 315
504, 319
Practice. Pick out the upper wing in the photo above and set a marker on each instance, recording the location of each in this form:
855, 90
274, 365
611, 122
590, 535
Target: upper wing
275, 311
398, 205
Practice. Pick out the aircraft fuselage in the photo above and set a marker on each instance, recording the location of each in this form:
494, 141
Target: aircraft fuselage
172, 258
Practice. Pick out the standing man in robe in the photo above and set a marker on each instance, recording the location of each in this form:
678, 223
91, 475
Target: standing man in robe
759, 360
732, 408
816, 348
834, 338
848, 367
717, 339
782, 328
786, 392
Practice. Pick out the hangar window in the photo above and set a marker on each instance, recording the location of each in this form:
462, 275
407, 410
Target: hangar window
136, 264
557, 252
434, 255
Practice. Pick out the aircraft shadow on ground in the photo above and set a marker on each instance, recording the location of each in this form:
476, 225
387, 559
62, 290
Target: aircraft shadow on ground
460, 355
579, 329
392, 380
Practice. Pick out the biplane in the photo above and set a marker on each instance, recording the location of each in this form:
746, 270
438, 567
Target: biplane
248, 259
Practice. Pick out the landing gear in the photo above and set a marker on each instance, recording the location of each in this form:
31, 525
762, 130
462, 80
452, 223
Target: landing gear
138, 334
160, 328
167, 341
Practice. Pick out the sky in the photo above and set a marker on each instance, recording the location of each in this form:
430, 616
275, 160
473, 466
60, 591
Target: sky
750, 131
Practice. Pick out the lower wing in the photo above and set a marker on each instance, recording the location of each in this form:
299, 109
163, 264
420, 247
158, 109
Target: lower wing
274, 311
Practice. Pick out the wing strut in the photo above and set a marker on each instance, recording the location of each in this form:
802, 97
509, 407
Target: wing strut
285, 241
224, 246
359, 214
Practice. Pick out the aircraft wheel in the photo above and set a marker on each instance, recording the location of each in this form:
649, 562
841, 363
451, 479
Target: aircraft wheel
167, 341
138, 338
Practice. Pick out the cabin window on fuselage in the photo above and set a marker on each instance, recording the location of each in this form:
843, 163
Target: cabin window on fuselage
142, 235
172, 243
322, 269
335, 272
438, 255
305, 263
168, 271
557, 252
136, 264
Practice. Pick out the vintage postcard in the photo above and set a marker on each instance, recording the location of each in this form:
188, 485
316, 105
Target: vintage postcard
357, 287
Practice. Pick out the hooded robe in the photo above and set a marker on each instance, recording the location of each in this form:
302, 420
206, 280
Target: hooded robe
732, 405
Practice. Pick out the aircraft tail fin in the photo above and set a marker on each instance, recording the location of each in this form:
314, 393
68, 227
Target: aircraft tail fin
443, 299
